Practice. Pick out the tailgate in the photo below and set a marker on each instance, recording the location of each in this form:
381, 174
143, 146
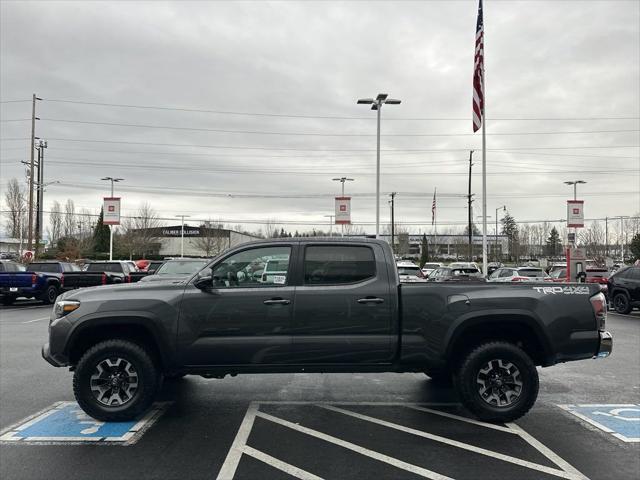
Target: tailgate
16, 279
83, 279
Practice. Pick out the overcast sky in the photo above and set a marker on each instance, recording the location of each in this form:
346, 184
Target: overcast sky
572, 66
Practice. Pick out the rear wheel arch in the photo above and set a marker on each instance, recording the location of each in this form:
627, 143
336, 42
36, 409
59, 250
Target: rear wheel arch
130, 329
519, 329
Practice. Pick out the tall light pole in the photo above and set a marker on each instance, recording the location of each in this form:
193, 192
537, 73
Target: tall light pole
182, 234
112, 180
376, 104
504, 209
342, 180
622, 238
575, 197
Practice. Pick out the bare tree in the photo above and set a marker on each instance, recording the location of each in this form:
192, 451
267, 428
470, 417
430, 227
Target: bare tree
140, 232
55, 223
270, 228
213, 239
351, 230
593, 240
16, 208
70, 223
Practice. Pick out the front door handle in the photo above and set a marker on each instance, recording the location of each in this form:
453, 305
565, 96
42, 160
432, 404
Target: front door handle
277, 301
371, 300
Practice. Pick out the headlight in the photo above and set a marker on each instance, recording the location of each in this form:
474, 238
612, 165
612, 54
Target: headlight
63, 307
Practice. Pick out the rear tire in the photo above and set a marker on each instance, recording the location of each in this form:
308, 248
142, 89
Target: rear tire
115, 380
498, 382
50, 294
8, 300
622, 304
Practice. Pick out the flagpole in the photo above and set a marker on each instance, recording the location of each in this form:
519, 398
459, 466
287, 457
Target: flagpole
484, 165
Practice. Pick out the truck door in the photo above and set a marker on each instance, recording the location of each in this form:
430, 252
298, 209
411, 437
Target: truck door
344, 308
245, 318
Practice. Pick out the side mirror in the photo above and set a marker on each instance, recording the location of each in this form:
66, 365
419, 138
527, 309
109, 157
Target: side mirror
204, 283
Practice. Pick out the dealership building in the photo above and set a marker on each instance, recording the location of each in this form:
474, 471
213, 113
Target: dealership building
199, 241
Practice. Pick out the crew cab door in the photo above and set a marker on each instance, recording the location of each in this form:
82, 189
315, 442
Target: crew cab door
345, 306
245, 317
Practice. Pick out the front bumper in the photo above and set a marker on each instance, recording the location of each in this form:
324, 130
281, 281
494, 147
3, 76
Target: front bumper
52, 359
606, 345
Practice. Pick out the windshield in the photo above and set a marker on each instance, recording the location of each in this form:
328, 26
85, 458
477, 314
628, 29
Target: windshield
180, 267
415, 271
431, 266
104, 267
597, 273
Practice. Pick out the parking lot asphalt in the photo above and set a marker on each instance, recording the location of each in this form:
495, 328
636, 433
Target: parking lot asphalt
344, 426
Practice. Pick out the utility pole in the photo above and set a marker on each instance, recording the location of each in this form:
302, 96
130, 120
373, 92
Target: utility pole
31, 171
376, 104
469, 198
393, 243
330, 217
606, 236
41, 145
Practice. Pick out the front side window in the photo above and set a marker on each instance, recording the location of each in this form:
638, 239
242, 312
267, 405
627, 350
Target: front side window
506, 273
336, 265
255, 268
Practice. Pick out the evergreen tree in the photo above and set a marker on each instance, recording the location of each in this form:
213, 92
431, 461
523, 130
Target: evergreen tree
554, 245
101, 235
424, 251
634, 246
510, 229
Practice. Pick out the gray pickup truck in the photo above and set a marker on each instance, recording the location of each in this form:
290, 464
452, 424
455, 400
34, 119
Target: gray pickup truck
332, 306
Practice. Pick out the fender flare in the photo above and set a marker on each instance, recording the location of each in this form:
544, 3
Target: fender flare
514, 316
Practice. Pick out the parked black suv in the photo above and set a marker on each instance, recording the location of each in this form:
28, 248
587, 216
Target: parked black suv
624, 289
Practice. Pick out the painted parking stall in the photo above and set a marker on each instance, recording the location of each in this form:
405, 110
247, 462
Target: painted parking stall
66, 423
383, 440
620, 420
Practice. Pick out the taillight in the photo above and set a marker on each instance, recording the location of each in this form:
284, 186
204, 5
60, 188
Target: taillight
62, 280
519, 279
104, 279
599, 304
34, 279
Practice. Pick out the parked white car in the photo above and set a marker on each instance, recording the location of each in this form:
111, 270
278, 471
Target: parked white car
519, 274
429, 267
409, 272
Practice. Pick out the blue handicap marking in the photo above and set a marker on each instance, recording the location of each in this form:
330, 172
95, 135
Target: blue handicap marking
65, 422
620, 420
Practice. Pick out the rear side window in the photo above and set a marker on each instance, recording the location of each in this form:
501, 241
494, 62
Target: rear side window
336, 265
530, 272
45, 267
105, 267
634, 273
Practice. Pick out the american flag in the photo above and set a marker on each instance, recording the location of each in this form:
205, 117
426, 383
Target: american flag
478, 73
433, 208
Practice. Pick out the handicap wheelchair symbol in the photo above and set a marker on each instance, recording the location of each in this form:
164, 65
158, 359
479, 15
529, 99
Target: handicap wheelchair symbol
620, 420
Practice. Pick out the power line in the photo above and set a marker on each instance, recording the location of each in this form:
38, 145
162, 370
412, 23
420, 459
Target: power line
315, 134
328, 117
238, 147
14, 101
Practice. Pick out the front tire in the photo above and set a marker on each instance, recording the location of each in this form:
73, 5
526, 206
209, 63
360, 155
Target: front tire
498, 382
622, 304
115, 380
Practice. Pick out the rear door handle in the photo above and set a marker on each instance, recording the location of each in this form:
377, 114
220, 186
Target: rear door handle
371, 300
277, 301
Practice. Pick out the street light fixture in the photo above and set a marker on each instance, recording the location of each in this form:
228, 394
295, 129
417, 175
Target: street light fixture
376, 104
182, 234
112, 180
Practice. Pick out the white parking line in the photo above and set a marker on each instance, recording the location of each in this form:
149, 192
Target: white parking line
230, 464
280, 465
462, 419
36, 320
409, 467
455, 443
